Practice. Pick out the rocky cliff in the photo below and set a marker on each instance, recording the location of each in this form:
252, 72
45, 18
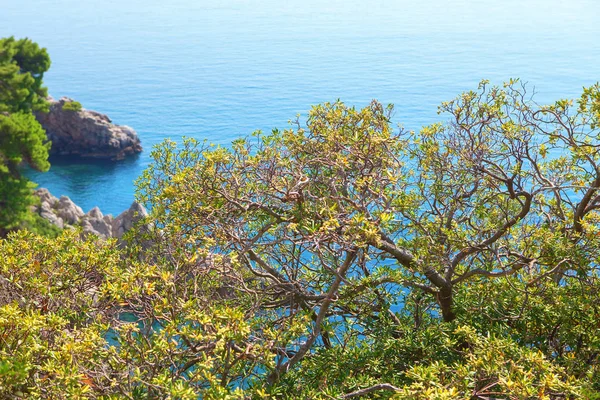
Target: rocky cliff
64, 213
86, 133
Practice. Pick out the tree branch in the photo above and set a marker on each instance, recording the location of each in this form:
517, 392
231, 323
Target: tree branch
464, 253
374, 388
405, 258
331, 294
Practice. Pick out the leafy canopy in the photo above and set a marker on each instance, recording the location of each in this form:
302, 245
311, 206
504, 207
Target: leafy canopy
340, 259
352, 224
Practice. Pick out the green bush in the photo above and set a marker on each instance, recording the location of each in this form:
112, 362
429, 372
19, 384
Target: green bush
72, 106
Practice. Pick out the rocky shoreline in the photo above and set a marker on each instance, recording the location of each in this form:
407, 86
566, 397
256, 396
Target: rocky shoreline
65, 214
74, 130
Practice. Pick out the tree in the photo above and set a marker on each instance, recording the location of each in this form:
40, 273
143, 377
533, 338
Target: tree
346, 221
337, 260
22, 139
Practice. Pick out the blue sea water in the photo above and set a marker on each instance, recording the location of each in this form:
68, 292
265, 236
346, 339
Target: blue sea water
221, 69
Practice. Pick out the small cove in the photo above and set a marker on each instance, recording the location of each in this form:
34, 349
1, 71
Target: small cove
218, 71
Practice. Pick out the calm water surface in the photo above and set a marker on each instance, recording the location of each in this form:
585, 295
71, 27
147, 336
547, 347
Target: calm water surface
221, 69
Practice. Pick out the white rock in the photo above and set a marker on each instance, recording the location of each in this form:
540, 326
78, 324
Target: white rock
70, 212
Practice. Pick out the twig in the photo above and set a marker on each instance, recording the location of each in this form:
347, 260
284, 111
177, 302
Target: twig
361, 392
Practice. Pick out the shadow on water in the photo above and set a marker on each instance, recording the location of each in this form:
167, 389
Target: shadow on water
87, 162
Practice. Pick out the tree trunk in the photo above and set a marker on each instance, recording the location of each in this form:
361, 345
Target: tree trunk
445, 301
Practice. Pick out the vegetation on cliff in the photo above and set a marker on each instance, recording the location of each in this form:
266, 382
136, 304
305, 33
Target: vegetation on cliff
25, 113
72, 106
341, 259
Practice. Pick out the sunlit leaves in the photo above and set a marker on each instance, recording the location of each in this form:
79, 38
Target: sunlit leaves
336, 256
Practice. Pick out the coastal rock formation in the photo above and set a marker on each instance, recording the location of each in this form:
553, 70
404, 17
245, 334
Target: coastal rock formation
65, 214
86, 133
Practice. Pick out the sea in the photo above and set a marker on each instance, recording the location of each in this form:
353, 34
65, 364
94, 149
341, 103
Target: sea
221, 69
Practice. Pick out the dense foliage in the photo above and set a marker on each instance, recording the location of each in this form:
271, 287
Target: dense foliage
341, 259
72, 106
22, 139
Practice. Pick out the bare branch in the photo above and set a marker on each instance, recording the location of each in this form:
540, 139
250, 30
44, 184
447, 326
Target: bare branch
374, 388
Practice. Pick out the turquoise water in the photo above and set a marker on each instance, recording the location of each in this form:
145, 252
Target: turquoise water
219, 70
